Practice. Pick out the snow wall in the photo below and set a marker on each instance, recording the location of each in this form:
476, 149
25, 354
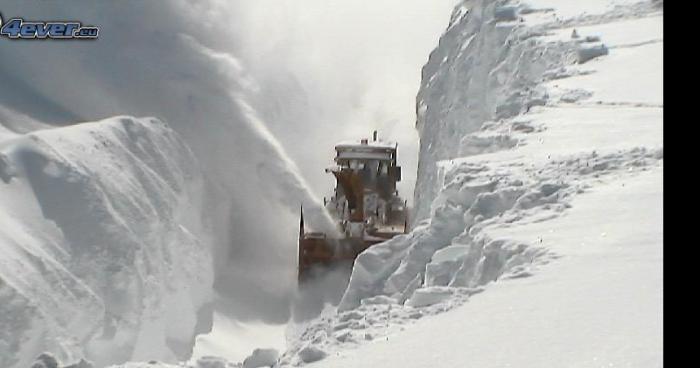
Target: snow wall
104, 254
160, 60
489, 69
486, 69
521, 109
126, 216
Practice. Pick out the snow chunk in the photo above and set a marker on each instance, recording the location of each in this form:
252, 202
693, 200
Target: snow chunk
506, 13
311, 354
351, 315
261, 358
429, 296
451, 253
379, 299
588, 52
444, 264
212, 362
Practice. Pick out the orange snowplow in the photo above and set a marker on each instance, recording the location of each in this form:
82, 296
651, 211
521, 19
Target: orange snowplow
365, 204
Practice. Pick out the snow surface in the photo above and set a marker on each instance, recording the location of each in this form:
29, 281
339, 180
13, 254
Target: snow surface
234, 340
538, 235
106, 197
600, 305
539, 197
103, 254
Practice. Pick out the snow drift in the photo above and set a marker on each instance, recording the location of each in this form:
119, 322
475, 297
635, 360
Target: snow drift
528, 113
150, 60
541, 144
514, 115
182, 62
479, 87
487, 68
105, 255
153, 60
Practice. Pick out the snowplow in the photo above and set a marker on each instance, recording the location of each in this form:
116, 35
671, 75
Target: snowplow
365, 205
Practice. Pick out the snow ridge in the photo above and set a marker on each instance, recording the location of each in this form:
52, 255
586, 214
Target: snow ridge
486, 67
520, 114
502, 110
104, 255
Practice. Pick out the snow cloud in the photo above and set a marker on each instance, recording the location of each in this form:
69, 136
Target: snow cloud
257, 90
333, 70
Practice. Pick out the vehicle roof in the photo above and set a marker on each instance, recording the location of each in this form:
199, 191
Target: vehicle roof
357, 144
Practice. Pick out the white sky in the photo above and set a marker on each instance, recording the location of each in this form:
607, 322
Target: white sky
359, 63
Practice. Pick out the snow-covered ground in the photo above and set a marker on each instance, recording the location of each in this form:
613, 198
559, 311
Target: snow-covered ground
600, 304
103, 252
235, 340
98, 229
538, 235
540, 188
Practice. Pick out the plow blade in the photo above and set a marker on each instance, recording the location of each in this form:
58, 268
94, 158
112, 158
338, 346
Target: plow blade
318, 251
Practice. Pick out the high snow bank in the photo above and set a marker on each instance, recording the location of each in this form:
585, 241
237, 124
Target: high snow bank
599, 305
481, 96
104, 253
153, 59
452, 250
515, 130
486, 67
490, 67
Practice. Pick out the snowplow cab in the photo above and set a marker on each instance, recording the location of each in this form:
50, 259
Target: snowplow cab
365, 204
